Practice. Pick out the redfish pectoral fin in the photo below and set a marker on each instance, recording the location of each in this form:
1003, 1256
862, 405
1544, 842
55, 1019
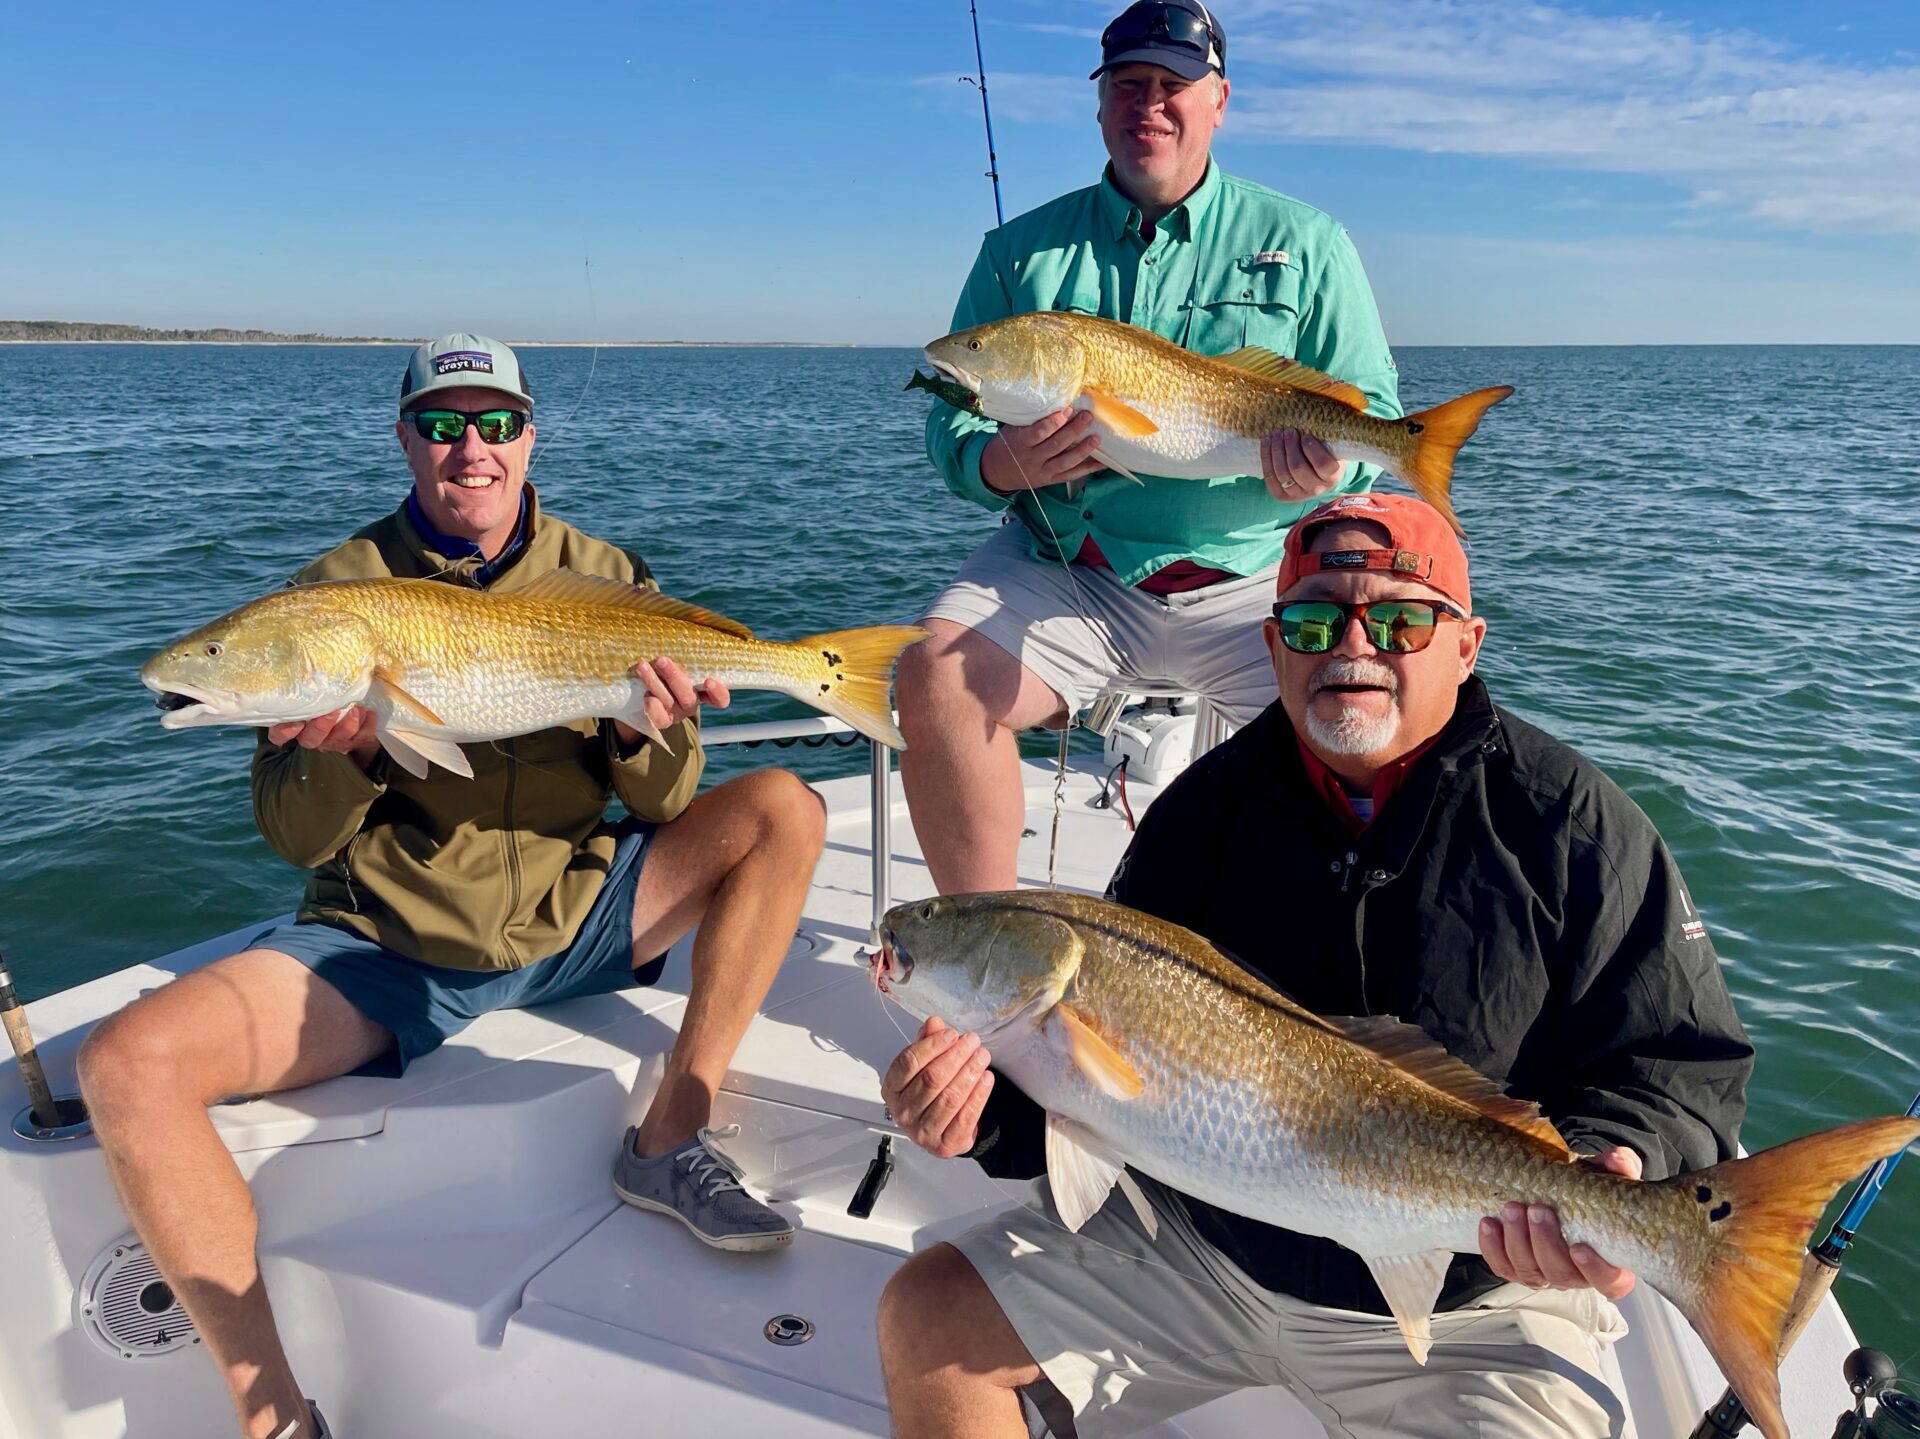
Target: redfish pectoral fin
1410, 1283
386, 692
1117, 415
1103, 1065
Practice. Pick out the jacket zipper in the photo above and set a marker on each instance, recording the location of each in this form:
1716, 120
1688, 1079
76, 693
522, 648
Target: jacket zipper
509, 834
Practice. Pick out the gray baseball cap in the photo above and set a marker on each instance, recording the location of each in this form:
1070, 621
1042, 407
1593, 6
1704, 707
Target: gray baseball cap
455, 361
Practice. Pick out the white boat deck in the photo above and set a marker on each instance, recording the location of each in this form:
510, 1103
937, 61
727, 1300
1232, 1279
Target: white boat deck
448, 1261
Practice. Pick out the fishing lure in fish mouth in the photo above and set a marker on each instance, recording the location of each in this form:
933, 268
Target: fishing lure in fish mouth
959, 396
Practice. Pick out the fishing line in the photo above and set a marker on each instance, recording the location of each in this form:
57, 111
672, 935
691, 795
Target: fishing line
593, 363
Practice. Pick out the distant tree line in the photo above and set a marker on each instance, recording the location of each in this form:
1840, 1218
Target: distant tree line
62, 330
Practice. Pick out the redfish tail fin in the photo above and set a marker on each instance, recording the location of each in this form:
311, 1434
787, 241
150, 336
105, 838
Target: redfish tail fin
855, 676
1759, 1213
1443, 430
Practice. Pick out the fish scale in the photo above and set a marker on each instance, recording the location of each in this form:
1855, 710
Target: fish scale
1146, 1046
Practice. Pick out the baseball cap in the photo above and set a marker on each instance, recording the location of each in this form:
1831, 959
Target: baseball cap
455, 361
1421, 545
1178, 35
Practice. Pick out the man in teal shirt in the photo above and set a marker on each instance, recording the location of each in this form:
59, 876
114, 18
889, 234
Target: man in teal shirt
1165, 580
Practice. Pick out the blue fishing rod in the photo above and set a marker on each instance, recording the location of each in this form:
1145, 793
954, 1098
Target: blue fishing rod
993, 161
1817, 1273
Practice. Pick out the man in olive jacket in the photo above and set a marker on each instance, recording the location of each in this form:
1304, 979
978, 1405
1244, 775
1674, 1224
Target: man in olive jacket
434, 900
1383, 840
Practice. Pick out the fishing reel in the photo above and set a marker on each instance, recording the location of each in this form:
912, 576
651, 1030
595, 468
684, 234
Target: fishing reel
1896, 1413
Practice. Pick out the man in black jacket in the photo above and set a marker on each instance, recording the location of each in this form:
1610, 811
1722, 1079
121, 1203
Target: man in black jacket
1383, 840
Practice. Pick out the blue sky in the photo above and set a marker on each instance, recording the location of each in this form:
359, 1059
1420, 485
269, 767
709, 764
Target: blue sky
1571, 171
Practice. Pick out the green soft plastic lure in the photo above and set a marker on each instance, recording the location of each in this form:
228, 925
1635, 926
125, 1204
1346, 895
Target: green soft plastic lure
959, 396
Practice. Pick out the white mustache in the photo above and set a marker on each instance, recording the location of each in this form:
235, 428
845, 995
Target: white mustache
1353, 672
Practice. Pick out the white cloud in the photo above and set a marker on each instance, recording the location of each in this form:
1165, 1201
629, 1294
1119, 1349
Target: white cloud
1744, 123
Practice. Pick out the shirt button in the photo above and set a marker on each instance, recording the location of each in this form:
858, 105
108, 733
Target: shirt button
1150, 259
1376, 876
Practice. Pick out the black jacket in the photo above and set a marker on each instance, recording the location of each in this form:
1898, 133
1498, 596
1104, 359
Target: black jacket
1509, 899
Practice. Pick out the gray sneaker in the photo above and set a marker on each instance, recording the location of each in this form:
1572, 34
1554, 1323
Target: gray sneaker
700, 1186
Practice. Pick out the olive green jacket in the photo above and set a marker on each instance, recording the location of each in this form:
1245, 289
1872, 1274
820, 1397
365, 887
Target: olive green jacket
487, 873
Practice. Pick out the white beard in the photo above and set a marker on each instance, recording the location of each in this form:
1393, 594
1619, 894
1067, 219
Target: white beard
1354, 731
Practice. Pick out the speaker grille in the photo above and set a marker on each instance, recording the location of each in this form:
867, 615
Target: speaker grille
128, 1310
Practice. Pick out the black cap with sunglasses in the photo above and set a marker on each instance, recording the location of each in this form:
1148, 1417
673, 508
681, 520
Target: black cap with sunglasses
1177, 35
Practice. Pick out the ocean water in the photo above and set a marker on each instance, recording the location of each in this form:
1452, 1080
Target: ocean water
1698, 564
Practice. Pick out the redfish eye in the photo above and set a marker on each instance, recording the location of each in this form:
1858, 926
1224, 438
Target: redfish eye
214, 649
973, 344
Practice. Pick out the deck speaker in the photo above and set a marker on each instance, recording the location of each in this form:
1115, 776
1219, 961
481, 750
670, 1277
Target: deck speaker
125, 1307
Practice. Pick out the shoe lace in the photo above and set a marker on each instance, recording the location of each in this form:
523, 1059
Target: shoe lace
712, 1169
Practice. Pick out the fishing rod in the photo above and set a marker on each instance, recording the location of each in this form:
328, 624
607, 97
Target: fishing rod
993, 161
43, 1111
1817, 1272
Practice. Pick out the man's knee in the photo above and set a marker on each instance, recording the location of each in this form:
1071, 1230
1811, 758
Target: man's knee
784, 808
136, 1058
931, 1310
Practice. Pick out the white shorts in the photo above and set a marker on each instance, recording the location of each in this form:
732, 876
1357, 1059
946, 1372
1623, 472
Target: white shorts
1130, 1331
1078, 627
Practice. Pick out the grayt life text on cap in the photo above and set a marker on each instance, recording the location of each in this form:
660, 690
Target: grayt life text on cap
463, 361
1177, 35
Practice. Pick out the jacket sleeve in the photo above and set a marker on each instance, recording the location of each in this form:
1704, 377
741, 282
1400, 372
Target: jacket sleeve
308, 804
651, 783
954, 437
1655, 1057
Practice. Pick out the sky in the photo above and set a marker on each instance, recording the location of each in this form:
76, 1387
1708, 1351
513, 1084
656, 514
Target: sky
1565, 172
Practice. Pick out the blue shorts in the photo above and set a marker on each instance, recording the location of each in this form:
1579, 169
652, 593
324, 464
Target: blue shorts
424, 1005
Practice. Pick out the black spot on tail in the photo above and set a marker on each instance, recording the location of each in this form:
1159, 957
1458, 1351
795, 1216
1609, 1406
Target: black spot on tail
1721, 1211
1414, 427
833, 660
1703, 1194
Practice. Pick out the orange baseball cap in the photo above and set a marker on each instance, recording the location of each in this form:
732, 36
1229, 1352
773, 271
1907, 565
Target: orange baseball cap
1420, 545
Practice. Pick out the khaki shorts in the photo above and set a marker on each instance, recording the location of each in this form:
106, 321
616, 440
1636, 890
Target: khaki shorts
1078, 627
1130, 1331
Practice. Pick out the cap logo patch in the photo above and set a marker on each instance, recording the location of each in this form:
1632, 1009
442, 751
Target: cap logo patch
1345, 559
1357, 502
1406, 562
477, 362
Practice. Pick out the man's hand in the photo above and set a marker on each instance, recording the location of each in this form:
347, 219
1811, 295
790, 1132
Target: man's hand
1050, 451
1295, 466
936, 1088
350, 731
671, 697
1525, 1246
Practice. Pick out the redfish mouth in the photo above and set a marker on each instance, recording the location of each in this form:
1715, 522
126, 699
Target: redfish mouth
953, 373
889, 961
183, 705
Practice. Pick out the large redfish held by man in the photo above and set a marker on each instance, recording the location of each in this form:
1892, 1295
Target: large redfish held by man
442, 665
1147, 1046
1165, 411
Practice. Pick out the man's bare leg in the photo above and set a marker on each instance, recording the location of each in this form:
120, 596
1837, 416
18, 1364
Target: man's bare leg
962, 701
952, 1361
252, 1023
737, 862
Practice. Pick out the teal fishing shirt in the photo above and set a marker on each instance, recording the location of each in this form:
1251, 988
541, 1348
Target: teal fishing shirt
1233, 264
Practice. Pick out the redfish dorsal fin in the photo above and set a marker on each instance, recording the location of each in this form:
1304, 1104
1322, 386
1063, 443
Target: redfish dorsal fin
1414, 1052
1295, 376
570, 586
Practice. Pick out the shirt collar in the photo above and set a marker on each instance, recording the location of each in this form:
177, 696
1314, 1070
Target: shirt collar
1328, 785
1123, 215
455, 547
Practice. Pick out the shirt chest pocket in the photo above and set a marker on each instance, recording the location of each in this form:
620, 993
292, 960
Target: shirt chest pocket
1256, 301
